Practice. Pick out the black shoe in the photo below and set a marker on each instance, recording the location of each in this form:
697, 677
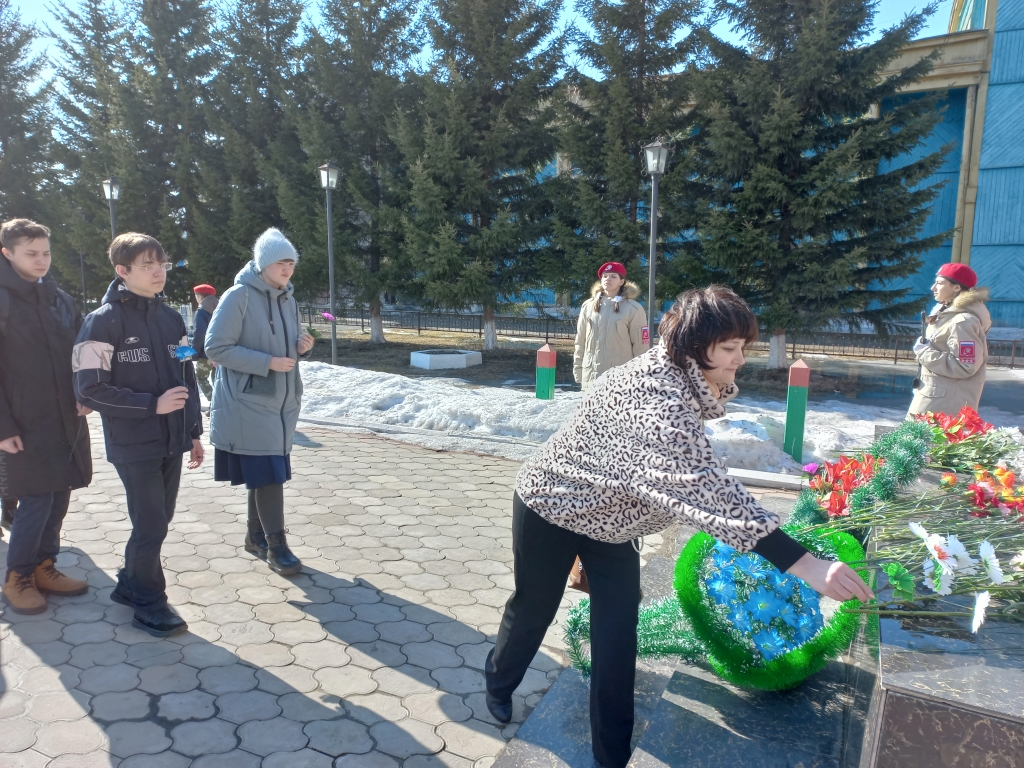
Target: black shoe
163, 622
256, 543
500, 710
279, 557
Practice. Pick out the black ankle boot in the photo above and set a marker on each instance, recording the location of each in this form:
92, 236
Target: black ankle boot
279, 557
256, 543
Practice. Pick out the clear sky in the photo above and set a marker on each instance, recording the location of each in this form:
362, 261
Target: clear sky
890, 12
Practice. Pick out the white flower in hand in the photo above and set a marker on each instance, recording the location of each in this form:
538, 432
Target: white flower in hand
980, 605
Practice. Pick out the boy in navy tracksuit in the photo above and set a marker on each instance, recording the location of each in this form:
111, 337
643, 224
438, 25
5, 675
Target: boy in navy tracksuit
125, 367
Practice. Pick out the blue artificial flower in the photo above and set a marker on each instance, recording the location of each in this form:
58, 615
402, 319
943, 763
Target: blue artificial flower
771, 644
806, 628
722, 589
764, 605
184, 352
752, 566
809, 599
722, 555
740, 620
788, 613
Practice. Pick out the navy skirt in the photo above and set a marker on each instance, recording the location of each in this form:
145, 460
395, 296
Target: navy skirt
254, 471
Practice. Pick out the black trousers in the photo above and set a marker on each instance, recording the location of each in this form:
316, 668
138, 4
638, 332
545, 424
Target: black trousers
152, 490
543, 555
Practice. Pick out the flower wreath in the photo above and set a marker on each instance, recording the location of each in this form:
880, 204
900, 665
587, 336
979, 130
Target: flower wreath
759, 627
753, 625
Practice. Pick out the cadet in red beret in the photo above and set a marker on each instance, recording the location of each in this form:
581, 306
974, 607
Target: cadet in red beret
954, 349
612, 327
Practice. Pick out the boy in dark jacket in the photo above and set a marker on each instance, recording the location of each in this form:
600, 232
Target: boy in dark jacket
206, 298
125, 368
44, 438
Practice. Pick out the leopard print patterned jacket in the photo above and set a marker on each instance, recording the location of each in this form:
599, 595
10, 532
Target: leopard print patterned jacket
634, 458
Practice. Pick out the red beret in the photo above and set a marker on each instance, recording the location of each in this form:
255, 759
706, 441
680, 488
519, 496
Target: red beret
959, 273
612, 266
205, 290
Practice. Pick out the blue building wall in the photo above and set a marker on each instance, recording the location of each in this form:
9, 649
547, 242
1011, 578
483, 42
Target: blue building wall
943, 216
997, 249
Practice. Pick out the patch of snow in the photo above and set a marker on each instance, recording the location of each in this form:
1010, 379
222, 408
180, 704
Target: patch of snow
450, 414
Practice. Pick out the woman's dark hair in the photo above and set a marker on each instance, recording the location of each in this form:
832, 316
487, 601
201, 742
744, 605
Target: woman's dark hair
703, 317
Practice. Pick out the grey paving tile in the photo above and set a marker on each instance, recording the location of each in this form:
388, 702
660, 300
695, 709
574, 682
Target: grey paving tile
75, 737
339, 737
135, 738
205, 737
262, 737
126, 705
192, 705
407, 738
247, 705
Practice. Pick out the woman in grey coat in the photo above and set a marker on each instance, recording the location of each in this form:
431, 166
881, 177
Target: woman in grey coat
256, 337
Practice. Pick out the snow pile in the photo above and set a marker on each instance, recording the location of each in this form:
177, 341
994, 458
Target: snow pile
436, 404
449, 414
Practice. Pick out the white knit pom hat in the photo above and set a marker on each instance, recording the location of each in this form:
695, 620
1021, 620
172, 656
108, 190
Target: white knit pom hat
272, 247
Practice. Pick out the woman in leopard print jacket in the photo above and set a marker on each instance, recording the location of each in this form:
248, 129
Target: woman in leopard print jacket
632, 460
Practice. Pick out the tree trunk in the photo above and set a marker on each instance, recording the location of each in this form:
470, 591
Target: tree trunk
777, 350
490, 331
376, 323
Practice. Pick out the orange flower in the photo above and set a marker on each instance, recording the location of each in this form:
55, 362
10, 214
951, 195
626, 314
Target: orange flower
949, 480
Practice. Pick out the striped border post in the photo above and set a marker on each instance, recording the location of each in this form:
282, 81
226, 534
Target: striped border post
796, 410
546, 372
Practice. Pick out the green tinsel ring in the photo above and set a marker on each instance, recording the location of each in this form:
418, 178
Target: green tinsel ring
737, 664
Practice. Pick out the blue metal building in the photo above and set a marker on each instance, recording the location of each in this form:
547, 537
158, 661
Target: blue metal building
981, 64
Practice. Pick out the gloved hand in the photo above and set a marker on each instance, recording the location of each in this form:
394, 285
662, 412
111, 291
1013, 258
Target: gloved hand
920, 346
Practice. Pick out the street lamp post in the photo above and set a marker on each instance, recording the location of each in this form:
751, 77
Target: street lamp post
329, 180
657, 160
111, 191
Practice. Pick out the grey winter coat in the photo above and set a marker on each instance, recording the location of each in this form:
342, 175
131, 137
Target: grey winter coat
254, 409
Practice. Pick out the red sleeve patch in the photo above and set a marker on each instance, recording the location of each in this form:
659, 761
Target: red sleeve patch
645, 335
967, 352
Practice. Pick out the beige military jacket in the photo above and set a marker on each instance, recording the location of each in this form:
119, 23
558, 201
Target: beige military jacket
607, 338
953, 362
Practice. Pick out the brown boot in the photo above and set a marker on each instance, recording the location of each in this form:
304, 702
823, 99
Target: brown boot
51, 581
21, 594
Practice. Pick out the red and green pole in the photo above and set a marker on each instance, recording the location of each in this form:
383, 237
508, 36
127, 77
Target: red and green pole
546, 372
796, 410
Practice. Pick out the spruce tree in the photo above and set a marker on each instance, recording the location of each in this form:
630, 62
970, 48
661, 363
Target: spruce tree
24, 121
478, 217
174, 60
92, 140
800, 194
358, 70
251, 116
637, 51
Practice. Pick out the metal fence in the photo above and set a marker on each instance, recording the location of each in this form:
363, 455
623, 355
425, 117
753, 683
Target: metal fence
862, 345
866, 345
546, 328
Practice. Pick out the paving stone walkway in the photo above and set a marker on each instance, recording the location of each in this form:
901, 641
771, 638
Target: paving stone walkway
372, 658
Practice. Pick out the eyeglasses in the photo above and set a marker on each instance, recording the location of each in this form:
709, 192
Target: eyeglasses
152, 269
